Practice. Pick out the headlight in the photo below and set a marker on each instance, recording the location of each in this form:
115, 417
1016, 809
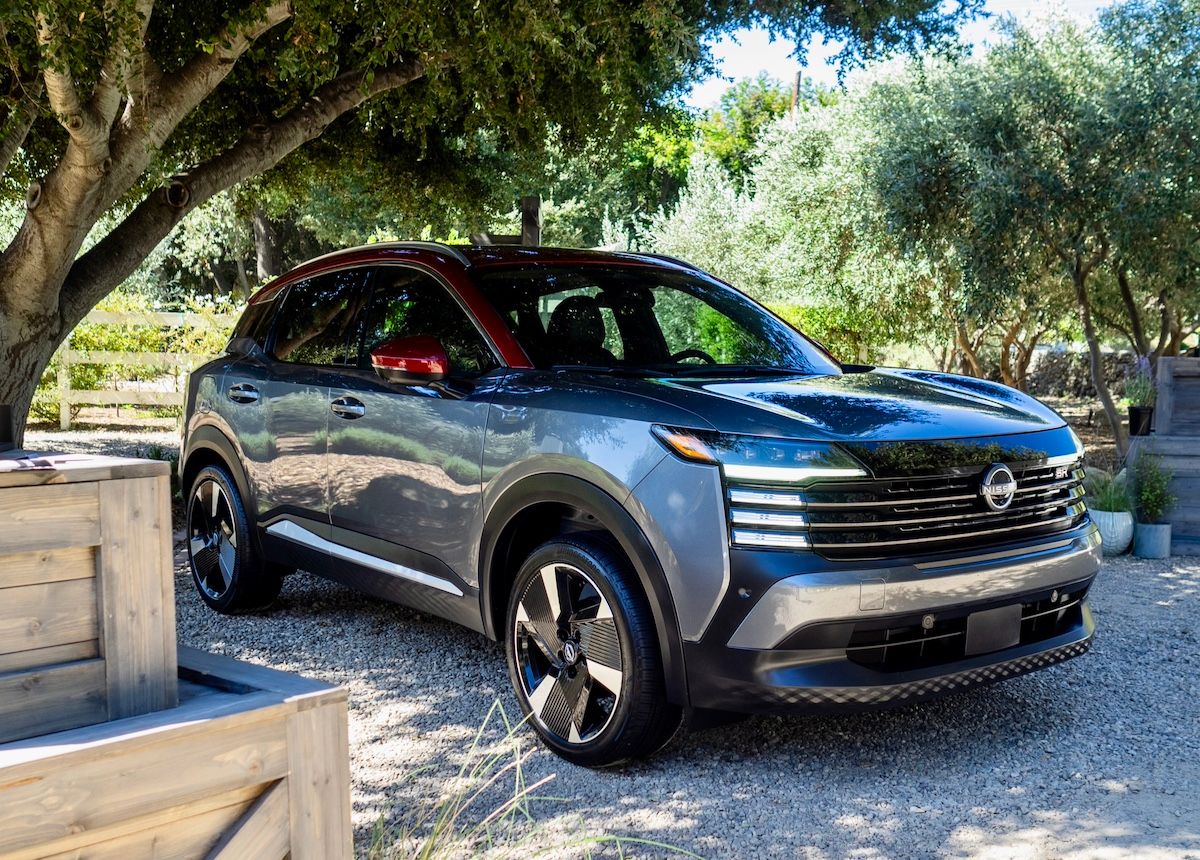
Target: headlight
761, 459
1078, 442
764, 477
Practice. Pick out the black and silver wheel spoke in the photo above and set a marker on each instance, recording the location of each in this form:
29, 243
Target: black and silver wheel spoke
212, 541
569, 653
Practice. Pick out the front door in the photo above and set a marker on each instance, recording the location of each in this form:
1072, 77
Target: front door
404, 460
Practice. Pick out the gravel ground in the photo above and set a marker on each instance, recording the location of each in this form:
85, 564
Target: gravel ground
1097, 758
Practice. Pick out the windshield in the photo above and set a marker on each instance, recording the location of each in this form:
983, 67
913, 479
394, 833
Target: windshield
639, 317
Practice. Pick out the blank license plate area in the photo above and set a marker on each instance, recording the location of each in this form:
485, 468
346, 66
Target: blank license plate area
993, 629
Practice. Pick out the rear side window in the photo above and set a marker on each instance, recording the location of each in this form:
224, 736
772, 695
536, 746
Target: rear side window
317, 317
406, 303
255, 322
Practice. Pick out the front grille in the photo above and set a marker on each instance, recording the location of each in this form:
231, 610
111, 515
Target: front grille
901, 517
906, 644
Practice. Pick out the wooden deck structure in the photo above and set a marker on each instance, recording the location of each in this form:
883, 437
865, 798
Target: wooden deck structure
1176, 439
87, 598
112, 744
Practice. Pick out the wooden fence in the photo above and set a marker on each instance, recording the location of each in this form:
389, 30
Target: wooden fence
70, 397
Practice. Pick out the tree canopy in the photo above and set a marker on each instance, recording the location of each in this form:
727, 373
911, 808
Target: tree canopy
128, 115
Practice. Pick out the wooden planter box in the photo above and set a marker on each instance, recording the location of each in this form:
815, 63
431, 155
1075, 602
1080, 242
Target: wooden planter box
253, 763
87, 605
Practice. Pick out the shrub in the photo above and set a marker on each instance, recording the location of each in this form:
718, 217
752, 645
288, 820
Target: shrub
1139, 383
1152, 489
1105, 492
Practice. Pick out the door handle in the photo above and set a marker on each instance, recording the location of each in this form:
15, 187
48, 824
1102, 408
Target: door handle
348, 407
243, 392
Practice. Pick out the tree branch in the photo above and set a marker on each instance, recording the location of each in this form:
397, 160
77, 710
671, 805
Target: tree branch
19, 121
129, 40
60, 86
115, 257
1140, 343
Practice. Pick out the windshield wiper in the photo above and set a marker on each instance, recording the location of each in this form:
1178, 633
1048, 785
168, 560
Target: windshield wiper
735, 370
609, 369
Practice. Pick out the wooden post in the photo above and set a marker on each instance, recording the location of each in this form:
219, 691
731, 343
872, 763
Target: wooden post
64, 391
531, 220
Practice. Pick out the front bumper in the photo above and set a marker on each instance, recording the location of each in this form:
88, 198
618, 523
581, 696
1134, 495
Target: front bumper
821, 640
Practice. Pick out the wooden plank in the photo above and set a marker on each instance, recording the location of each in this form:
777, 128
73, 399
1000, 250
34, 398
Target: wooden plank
40, 616
164, 818
49, 518
262, 832
28, 468
205, 668
184, 360
319, 783
165, 319
187, 838
125, 397
125, 774
41, 657
47, 565
136, 596
50, 699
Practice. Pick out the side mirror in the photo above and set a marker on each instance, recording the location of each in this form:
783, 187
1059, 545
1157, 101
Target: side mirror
243, 347
411, 360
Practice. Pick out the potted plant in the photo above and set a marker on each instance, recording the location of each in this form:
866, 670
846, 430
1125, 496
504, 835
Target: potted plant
1140, 393
1152, 493
1108, 502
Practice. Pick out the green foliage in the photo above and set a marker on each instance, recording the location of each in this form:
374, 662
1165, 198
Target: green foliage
1152, 489
1139, 384
731, 133
1106, 492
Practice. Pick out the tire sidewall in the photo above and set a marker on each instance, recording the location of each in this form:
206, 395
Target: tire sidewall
598, 751
242, 557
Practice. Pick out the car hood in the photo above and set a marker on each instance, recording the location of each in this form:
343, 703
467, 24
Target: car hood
880, 404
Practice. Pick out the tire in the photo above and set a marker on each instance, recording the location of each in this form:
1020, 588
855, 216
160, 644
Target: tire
601, 699
226, 570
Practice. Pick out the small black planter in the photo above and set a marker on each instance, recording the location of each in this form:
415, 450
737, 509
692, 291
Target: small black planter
1140, 418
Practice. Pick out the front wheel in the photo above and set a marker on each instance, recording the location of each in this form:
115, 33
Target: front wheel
228, 573
583, 654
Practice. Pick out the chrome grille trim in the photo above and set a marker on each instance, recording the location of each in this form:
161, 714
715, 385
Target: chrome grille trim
741, 516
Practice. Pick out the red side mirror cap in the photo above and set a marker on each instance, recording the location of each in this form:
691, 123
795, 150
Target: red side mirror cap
411, 360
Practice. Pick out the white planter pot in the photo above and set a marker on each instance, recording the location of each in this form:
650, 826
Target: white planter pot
1152, 540
1116, 530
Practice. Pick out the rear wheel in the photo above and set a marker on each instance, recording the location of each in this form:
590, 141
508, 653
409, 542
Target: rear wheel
228, 573
583, 654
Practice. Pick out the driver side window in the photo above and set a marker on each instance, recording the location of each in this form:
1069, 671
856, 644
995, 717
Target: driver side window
407, 303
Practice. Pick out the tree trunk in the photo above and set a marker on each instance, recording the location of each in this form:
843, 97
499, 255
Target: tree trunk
224, 288
1007, 375
26, 347
968, 355
242, 280
1136, 329
1096, 360
266, 246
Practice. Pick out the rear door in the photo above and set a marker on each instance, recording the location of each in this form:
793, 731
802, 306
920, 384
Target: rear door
308, 349
404, 460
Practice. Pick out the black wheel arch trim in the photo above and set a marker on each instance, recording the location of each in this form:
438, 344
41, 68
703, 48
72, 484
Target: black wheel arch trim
209, 438
568, 490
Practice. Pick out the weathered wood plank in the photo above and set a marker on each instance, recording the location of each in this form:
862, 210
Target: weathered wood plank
262, 832
319, 784
53, 517
123, 397
47, 565
40, 616
163, 818
126, 775
48, 699
133, 359
168, 319
205, 668
136, 596
31, 468
185, 839
55, 654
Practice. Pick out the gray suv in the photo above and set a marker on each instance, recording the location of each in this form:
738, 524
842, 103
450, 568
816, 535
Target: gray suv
664, 500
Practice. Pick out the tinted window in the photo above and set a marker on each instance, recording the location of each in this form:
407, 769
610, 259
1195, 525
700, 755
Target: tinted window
317, 317
642, 316
407, 303
254, 322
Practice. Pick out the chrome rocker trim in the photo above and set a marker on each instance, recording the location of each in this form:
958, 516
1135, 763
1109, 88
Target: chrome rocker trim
298, 534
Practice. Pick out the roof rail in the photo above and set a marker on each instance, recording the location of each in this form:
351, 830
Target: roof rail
668, 259
439, 247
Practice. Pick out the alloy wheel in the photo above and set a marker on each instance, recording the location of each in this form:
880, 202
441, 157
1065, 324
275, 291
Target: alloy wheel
568, 653
212, 539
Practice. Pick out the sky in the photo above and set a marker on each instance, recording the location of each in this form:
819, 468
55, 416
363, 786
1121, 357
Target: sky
747, 52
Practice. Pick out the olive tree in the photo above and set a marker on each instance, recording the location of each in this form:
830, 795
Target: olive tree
130, 114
